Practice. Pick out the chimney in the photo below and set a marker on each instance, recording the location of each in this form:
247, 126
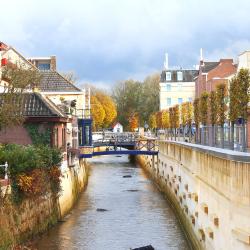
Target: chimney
201, 55
53, 63
166, 61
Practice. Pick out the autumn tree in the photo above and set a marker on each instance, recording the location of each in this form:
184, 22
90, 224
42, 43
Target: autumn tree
108, 106
15, 79
203, 108
196, 117
98, 112
175, 118
243, 78
152, 121
159, 119
221, 107
213, 112
189, 118
133, 122
165, 119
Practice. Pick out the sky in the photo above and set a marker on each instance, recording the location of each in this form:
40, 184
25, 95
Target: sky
105, 41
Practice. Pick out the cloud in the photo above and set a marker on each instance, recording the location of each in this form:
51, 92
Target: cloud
109, 40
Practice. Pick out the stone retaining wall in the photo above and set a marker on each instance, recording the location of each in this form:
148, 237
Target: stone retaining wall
19, 223
209, 190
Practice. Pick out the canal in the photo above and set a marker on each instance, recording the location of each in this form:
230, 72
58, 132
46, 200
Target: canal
120, 209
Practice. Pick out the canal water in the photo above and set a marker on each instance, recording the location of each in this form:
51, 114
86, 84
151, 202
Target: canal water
119, 210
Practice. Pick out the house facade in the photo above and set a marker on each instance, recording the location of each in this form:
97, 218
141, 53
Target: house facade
176, 86
213, 73
117, 128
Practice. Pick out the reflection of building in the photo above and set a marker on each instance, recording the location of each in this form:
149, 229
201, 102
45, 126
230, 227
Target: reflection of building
176, 86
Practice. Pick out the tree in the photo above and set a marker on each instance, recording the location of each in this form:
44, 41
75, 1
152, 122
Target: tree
98, 112
165, 119
176, 118
109, 108
127, 96
152, 121
243, 79
213, 112
70, 76
133, 122
159, 119
137, 97
16, 78
203, 107
196, 117
189, 118
221, 106
184, 117
234, 106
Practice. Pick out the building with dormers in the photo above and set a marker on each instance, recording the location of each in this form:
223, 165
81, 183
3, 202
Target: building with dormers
176, 86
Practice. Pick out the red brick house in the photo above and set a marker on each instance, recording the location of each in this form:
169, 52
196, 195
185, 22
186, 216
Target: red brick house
38, 110
213, 73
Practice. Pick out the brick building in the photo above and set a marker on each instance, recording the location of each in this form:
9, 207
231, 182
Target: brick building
213, 73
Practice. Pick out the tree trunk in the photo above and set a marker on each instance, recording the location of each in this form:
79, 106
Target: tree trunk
232, 136
212, 139
175, 134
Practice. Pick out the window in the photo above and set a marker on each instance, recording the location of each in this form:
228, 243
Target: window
180, 100
179, 76
179, 86
168, 87
168, 76
168, 101
190, 99
44, 66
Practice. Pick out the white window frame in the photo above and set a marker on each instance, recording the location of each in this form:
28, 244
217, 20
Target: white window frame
168, 76
179, 76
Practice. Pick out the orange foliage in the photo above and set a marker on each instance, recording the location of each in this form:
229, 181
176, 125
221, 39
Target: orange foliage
133, 122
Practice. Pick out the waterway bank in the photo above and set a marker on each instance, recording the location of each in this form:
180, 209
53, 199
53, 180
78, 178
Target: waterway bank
117, 213
32, 217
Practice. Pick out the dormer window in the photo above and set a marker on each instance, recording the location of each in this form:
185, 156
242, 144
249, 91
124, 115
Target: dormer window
168, 76
179, 76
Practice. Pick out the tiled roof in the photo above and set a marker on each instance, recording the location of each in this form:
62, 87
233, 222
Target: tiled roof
36, 105
188, 75
52, 81
207, 66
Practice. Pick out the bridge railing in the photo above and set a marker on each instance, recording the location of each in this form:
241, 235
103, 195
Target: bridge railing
114, 137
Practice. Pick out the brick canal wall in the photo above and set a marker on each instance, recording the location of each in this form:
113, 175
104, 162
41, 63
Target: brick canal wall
22, 222
209, 190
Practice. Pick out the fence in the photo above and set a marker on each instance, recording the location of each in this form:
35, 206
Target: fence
214, 136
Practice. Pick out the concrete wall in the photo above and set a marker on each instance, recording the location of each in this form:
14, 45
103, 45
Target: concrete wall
22, 222
209, 190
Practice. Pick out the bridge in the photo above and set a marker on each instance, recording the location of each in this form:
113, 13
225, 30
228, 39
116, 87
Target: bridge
127, 143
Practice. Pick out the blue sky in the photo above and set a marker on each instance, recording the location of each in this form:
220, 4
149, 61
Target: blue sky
105, 41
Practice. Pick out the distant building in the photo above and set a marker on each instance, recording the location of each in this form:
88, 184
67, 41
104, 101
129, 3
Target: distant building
213, 73
117, 128
176, 86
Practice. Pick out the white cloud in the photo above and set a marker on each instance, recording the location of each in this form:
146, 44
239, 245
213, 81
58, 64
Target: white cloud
107, 40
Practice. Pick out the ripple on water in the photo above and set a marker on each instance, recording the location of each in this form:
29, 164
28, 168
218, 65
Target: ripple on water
137, 215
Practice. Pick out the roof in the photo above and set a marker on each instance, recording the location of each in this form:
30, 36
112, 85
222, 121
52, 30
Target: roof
188, 75
116, 123
207, 66
52, 81
36, 105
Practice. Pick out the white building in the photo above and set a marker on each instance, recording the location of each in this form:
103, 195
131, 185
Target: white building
176, 86
117, 128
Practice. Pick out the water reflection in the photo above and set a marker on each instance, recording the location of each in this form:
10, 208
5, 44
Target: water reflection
133, 218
